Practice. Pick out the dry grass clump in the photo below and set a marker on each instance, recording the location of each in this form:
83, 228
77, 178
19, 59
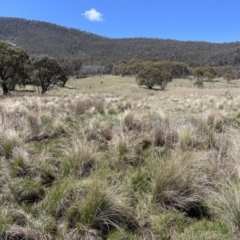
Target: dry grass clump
88, 234
100, 132
103, 208
57, 199
128, 118
8, 141
124, 105
19, 165
26, 190
18, 232
86, 104
34, 124
180, 183
4, 221
79, 159
164, 134
217, 120
188, 137
226, 201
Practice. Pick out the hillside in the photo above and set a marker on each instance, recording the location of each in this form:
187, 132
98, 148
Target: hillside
46, 38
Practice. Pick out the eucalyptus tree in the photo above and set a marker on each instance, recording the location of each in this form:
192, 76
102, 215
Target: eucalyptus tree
47, 72
13, 66
160, 73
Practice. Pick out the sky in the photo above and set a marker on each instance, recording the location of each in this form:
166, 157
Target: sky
188, 20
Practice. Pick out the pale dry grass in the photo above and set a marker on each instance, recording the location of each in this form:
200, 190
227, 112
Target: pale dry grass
80, 161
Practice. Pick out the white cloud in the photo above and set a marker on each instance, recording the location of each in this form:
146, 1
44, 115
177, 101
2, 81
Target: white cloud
93, 15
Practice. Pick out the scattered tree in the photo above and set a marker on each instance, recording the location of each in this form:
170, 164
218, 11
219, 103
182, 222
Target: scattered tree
108, 68
68, 67
207, 73
229, 76
13, 61
160, 73
149, 75
47, 72
198, 73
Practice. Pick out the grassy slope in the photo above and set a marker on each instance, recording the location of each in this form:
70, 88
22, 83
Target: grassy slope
106, 159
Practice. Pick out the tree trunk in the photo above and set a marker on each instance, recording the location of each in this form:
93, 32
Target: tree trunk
4, 88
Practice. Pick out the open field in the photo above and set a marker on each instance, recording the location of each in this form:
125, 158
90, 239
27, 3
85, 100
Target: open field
106, 159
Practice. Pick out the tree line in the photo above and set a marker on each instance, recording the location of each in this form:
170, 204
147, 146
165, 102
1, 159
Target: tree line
17, 68
50, 39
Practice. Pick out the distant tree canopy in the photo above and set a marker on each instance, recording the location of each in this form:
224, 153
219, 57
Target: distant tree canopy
207, 73
43, 38
70, 67
13, 61
229, 76
47, 72
160, 73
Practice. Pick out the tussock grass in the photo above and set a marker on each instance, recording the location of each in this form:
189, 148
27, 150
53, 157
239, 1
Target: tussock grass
169, 224
164, 134
79, 159
226, 203
58, 198
19, 165
8, 141
87, 104
177, 187
26, 190
18, 232
116, 161
103, 208
209, 230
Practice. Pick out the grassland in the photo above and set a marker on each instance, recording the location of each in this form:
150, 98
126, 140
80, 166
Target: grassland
106, 159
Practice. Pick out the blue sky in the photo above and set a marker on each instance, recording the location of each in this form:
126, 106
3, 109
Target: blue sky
200, 20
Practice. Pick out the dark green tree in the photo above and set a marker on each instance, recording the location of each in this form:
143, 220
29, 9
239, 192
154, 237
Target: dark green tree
135, 65
199, 73
121, 69
108, 68
160, 73
47, 72
68, 67
13, 70
205, 73
150, 75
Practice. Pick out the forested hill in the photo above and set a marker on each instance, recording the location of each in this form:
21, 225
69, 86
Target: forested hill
38, 37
